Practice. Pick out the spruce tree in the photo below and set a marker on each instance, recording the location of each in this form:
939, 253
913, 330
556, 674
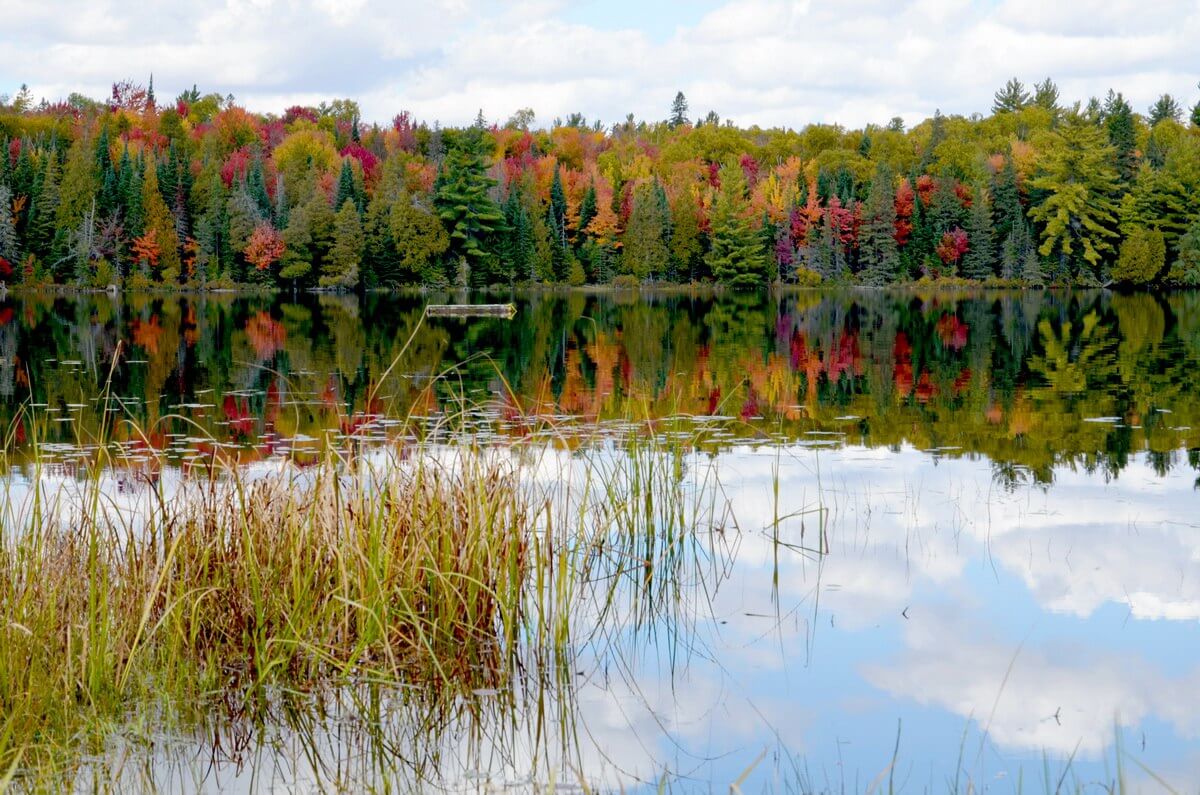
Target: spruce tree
1011, 98
877, 237
1045, 95
345, 186
736, 256
44, 209
980, 260
1164, 108
9, 249
587, 207
646, 253
159, 218
341, 268
1007, 211
1122, 134
679, 111
256, 186
462, 201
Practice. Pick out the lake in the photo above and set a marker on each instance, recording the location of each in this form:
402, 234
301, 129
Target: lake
939, 540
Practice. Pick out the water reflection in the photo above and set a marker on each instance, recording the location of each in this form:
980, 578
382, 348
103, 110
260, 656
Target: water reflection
963, 524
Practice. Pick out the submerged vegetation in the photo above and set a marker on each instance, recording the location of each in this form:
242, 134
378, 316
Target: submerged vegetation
200, 193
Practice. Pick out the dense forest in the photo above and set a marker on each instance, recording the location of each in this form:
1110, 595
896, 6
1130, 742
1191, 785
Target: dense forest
198, 192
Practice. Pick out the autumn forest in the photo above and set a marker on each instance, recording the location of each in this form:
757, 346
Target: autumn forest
199, 193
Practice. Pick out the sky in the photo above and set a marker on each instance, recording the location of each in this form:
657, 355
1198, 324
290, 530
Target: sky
765, 62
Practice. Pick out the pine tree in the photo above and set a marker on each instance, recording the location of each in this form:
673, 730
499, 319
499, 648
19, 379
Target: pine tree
980, 260
556, 220
162, 222
1122, 135
1164, 108
1032, 272
296, 263
9, 249
256, 186
1007, 212
44, 209
1143, 256
1011, 98
645, 253
1079, 212
1045, 95
130, 190
587, 207
461, 198
736, 256
345, 186
877, 239
946, 212
76, 205
679, 111
685, 244
341, 268
518, 252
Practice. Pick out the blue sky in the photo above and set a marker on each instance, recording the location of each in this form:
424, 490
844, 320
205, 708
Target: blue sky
769, 62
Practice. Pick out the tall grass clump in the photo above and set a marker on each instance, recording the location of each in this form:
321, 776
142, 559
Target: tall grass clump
227, 589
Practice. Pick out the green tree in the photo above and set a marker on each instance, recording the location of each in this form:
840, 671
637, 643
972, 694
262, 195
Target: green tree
76, 208
877, 237
736, 255
43, 210
679, 111
1143, 255
1045, 95
341, 267
1079, 212
9, 248
980, 259
1165, 107
160, 219
1011, 98
646, 252
1185, 271
1122, 134
461, 196
419, 238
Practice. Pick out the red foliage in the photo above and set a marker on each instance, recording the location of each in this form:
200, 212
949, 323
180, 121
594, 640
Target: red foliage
299, 112
266, 334
145, 248
714, 175
6, 268
964, 194
127, 95
905, 198
14, 151
925, 187
952, 332
952, 247
845, 221
182, 108
265, 247
365, 157
902, 374
236, 166
750, 169
403, 124
6, 315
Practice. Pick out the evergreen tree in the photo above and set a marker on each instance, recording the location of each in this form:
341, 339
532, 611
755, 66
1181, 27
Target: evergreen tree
1079, 213
587, 207
736, 256
1011, 98
296, 264
1165, 107
1122, 134
679, 111
946, 212
345, 186
130, 189
461, 196
341, 268
1045, 95
76, 205
9, 249
1032, 272
519, 251
44, 209
256, 186
937, 134
646, 253
162, 222
877, 238
685, 243
1007, 211
556, 220
980, 259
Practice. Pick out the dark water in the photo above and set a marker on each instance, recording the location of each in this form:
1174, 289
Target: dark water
1008, 584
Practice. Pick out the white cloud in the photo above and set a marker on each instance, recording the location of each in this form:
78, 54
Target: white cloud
756, 61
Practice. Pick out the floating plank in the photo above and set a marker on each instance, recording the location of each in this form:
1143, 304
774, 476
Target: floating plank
507, 311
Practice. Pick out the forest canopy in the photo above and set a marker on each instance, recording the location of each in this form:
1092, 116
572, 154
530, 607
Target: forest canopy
199, 192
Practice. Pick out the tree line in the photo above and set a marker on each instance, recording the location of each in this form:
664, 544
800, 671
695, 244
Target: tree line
201, 193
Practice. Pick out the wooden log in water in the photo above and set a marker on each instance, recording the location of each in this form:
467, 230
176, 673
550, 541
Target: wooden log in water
472, 310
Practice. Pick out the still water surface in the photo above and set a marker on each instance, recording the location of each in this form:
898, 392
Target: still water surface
963, 532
